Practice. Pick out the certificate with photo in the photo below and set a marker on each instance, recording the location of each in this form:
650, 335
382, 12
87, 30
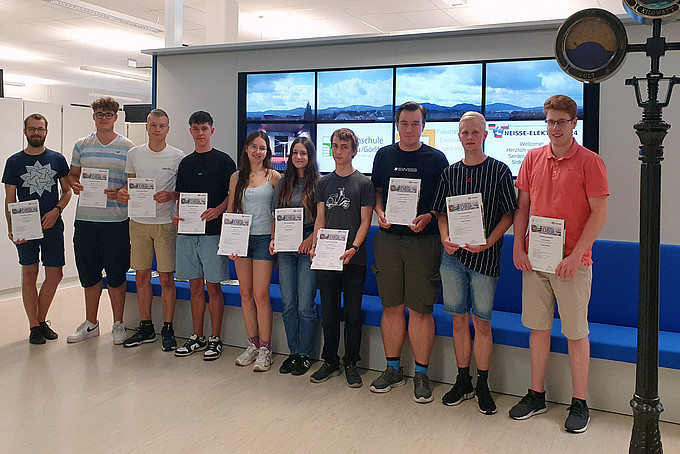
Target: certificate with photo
402, 201
288, 229
191, 207
95, 182
26, 222
235, 233
465, 214
141, 203
546, 243
330, 245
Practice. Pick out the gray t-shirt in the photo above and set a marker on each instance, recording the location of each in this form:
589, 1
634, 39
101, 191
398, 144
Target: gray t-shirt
343, 198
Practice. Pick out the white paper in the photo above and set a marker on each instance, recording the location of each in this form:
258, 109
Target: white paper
465, 214
191, 207
235, 233
288, 229
95, 182
141, 203
26, 222
402, 201
546, 243
330, 245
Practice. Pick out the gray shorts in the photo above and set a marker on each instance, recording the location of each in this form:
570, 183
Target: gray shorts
197, 257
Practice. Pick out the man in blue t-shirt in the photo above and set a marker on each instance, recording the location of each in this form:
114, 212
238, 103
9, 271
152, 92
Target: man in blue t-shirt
32, 174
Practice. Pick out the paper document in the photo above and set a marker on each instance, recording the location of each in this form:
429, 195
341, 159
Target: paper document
235, 234
94, 182
191, 206
330, 245
288, 229
141, 203
465, 214
26, 222
402, 201
546, 243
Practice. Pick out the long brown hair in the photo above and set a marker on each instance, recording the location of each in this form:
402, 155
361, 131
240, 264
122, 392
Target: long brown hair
244, 167
291, 179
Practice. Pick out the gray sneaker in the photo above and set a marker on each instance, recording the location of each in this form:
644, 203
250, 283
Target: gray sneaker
387, 380
422, 393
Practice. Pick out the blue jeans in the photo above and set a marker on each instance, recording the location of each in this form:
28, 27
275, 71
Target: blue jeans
466, 289
298, 290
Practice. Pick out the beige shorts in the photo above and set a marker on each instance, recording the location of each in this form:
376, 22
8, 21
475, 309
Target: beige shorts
145, 239
539, 292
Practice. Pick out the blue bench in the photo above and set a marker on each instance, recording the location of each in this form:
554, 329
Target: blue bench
613, 311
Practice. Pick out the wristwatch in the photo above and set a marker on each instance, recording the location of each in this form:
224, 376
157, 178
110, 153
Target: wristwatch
356, 248
61, 210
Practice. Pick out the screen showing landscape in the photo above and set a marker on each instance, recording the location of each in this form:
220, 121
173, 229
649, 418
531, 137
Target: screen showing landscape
362, 94
280, 96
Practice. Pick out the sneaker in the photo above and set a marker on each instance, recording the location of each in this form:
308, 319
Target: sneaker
579, 416
352, 376
288, 364
213, 350
168, 339
84, 331
422, 393
484, 400
264, 360
325, 372
143, 334
193, 344
36, 337
462, 390
387, 380
248, 356
47, 332
302, 365
531, 404
118, 332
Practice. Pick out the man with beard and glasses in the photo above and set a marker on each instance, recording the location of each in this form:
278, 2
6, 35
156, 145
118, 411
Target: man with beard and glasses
32, 174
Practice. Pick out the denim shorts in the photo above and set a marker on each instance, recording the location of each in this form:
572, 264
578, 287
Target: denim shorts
197, 257
465, 289
50, 247
258, 247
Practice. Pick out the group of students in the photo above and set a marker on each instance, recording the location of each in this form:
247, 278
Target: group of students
413, 263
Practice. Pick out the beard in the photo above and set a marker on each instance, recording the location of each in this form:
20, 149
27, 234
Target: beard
36, 141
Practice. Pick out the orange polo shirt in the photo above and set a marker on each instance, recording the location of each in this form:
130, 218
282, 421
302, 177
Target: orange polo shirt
560, 188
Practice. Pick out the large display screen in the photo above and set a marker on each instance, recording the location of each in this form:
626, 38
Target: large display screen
361, 94
280, 96
372, 136
281, 136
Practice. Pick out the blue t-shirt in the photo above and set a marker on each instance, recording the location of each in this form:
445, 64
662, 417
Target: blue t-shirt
36, 177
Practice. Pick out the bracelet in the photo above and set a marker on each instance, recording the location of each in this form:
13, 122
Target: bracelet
61, 210
356, 248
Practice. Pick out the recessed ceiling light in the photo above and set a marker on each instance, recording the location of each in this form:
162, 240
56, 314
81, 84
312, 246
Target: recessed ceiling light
113, 72
454, 2
114, 16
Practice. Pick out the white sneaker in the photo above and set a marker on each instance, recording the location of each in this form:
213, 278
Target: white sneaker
119, 333
84, 331
264, 360
248, 356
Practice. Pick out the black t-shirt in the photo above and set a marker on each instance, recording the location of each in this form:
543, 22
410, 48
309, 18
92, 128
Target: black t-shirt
343, 198
207, 172
425, 163
491, 178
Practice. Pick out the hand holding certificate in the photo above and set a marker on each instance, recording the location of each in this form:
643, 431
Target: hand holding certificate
235, 234
141, 203
26, 223
402, 201
546, 243
330, 245
465, 214
95, 182
191, 207
288, 229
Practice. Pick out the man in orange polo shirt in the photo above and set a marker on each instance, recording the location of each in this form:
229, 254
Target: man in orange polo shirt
561, 180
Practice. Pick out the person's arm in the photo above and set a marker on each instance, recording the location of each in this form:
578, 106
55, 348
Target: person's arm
74, 179
380, 209
10, 197
214, 213
598, 215
50, 218
519, 228
502, 227
366, 215
319, 223
232, 189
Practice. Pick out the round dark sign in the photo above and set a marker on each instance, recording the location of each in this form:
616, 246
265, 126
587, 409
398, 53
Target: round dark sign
644, 11
591, 45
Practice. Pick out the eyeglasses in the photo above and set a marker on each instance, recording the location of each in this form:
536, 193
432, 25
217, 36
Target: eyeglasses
256, 148
32, 130
560, 123
107, 115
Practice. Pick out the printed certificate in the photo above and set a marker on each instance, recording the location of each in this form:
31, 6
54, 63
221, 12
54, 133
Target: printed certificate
546, 243
191, 207
402, 201
94, 182
141, 203
465, 214
330, 245
234, 234
288, 229
26, 222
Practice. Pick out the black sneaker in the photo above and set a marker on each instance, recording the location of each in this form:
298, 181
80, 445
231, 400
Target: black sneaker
301, 366
461, 390
213, 349
193, 344
47, 331
36, 337
143, 334
387, 380
579, 416
169, 343
288, 364
486, 404
325, 372
422, 393
352, 376
531, 404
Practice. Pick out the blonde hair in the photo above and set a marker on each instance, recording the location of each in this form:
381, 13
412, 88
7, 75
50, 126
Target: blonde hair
473, 116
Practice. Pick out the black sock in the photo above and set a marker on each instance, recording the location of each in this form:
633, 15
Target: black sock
464, 372
583, 401
147, 323
482, 377
167, 325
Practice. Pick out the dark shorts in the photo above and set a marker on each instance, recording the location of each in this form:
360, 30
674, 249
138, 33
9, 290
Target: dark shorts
258, 247
50, 248
102, 246
407, 270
